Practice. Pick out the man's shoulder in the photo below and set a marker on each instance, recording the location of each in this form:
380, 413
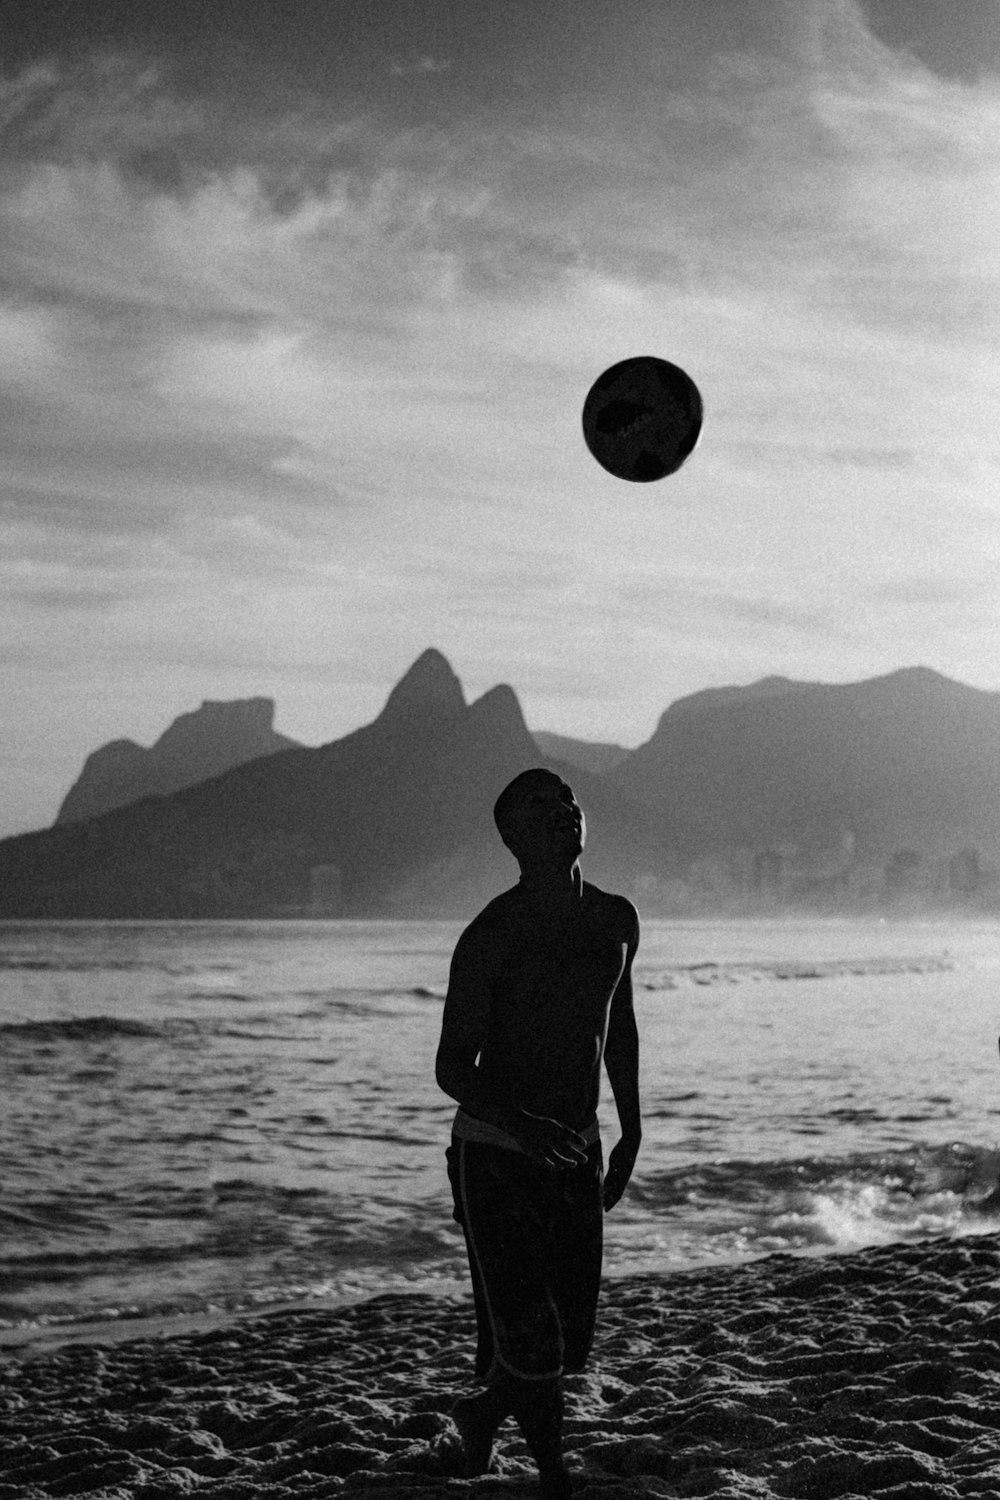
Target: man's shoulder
495, 917
617, 911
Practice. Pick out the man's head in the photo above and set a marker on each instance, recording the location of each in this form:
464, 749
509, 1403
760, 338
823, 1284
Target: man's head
540, 820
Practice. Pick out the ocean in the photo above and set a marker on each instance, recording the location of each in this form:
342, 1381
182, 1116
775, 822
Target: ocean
200, 1116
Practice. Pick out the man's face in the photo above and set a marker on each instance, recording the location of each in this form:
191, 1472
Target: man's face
549, 822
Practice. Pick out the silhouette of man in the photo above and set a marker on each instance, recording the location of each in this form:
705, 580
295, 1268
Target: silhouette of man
540, 990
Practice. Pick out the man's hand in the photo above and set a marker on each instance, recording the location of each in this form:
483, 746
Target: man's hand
620, 1164
549, 1142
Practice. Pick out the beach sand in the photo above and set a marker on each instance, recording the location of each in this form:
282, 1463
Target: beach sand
871, 1374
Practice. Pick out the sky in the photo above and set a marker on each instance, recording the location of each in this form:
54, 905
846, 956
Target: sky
300, 301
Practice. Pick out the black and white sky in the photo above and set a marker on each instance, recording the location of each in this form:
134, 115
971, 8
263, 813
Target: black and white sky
301, 299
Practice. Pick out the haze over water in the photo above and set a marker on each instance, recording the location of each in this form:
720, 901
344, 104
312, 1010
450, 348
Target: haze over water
231, 1114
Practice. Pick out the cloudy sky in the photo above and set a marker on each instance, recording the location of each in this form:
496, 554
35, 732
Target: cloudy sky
301, 299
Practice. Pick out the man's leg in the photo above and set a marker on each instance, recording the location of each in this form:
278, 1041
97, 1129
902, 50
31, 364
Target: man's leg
501, 1202
478, 1418
538, 1409
537, 1406
573, 1234
577, 1243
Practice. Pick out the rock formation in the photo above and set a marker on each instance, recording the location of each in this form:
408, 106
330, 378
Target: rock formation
196, 747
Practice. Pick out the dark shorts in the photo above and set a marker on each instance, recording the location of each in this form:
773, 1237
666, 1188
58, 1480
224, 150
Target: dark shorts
534, 1237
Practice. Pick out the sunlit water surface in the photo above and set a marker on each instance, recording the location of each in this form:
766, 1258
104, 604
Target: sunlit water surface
229, 1114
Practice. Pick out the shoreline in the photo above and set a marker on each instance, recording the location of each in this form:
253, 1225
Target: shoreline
21, 1340
870, 1373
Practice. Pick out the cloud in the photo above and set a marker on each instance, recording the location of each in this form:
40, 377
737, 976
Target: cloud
213, 300
72, 597
922, 592
771, 614
422, 67
955, 42
695, 606
678, 185
872, 458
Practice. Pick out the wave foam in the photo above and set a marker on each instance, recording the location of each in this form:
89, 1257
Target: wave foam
717, 972
845, 1203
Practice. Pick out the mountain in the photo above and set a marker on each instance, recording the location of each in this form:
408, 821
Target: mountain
394, 819
779, 791
910, 761
196, 746
586, 755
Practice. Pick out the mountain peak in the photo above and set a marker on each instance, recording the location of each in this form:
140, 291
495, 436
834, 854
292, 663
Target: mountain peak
501, 710
194, 747
918, 679
244, 720
430, 685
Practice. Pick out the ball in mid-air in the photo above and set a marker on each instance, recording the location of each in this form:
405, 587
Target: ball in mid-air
642, 418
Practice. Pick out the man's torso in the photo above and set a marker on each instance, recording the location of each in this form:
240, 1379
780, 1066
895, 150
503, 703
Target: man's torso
551, 979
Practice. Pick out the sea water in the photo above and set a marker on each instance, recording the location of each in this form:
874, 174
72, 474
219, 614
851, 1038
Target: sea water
225, 1115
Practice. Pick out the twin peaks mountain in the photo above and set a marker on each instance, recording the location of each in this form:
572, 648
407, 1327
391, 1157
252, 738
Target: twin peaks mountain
777, 791
394, 819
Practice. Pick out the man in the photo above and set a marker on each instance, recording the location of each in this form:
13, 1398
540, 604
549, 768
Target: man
540, 990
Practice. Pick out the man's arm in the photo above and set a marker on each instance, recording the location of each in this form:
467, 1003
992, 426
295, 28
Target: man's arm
463, 1033
621, 1060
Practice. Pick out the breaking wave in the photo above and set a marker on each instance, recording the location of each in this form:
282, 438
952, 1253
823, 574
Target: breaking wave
831, 1203
714, 972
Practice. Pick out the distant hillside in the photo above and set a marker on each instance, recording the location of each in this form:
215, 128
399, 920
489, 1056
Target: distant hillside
853, 795
196, 746
394, 819
910, 761
598, 758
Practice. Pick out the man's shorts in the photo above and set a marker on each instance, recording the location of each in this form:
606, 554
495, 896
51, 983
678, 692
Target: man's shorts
534, 1237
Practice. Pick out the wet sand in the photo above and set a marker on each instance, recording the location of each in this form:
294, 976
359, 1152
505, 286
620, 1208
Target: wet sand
872, 1374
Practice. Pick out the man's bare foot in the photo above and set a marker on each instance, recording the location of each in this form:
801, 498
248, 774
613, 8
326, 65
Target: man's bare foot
474, 1418
555, 1483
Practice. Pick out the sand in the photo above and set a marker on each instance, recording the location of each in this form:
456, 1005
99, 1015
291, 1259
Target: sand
872, 1374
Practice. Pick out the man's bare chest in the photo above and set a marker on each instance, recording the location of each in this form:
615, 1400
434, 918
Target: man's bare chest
555, 967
